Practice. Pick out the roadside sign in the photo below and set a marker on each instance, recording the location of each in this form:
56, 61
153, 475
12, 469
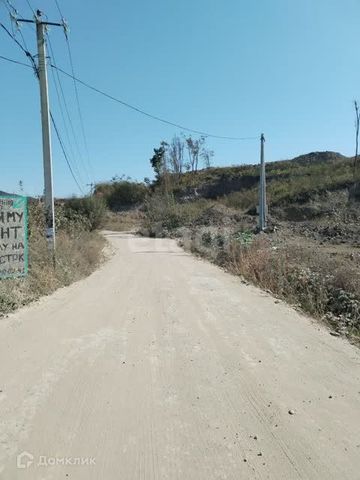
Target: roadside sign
13, 236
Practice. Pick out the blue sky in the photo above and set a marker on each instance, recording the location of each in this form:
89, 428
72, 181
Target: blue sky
233, 67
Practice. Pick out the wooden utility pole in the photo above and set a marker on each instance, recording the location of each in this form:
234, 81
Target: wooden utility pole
45, 124
262, 187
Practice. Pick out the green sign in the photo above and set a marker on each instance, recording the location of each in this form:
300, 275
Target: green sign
13, 236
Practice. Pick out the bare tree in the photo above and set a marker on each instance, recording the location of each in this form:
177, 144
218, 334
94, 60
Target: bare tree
207, 156
194, 148
175, 152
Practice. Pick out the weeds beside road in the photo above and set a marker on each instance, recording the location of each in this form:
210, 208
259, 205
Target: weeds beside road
78, 253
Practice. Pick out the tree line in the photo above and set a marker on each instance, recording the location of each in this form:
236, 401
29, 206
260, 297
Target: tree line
182, 154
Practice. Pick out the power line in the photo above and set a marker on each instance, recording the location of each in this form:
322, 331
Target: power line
28, 54
132, 107
64, 122
31, 8
78, 102
9, 7
67, 111
58, 7
75, 86
23, 39
143, 112
13, 12
127, 105
64, 152
135, 108
15, 61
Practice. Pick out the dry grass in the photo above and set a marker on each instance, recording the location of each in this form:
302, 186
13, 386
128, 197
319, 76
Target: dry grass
78, 254
163, 214
310, 279
129, 220
324, 286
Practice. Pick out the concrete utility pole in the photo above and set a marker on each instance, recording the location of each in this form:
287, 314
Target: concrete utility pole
46, 137
262, 188
45, 123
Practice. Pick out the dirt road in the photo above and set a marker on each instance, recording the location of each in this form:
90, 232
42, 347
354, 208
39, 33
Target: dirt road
161, 366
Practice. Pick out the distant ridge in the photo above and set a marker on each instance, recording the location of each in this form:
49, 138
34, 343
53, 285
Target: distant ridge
318, 157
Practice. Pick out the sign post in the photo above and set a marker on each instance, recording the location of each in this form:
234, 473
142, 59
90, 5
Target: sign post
13, 236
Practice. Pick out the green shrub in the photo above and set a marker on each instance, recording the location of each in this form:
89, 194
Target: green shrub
244, 237
92, 209
243, 200
123, 193
206, 239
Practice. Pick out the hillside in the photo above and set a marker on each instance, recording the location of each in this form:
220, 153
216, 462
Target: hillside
309, 254
288, 180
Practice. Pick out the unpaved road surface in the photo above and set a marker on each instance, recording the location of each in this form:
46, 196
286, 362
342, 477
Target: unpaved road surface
161, 366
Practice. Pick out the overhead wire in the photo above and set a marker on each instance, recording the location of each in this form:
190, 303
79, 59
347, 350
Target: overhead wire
97, 90
134, 108
15, 61
59, 9
67, 110
35, 68
120, 101
27, 53
154, 117
13, 12
147, 114
64, 153
30, 6
77, 97
65, 124
9, 6
78, 103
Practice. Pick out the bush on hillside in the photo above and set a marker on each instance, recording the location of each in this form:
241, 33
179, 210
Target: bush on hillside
91, 209
163, 211
122, 193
